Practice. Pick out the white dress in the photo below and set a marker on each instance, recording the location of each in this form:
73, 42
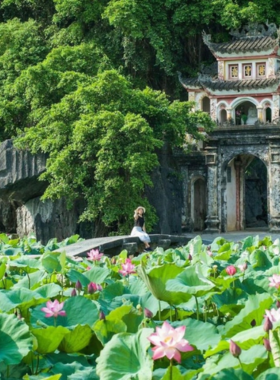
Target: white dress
138, 231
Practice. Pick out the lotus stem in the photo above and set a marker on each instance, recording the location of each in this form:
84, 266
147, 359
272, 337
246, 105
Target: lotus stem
197, 308
240, 363
159, 311
170, 313
171, 369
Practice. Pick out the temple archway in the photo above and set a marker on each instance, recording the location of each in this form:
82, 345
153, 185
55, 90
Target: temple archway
246, 193
246, 113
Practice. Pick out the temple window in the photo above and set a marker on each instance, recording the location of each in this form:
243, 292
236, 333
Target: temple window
261, 70
233, 71
247, 70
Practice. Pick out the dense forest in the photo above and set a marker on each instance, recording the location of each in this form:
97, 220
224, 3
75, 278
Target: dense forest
93, 83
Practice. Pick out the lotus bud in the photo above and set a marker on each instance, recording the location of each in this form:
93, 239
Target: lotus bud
253, 323
234, 349
148, 313
267, 324
266, 343
102, 315
73, 293
78, 285
91, 288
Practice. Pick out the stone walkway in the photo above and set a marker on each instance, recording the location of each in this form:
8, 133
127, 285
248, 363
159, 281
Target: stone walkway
235, 235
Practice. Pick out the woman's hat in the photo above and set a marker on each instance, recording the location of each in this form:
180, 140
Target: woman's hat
143, 208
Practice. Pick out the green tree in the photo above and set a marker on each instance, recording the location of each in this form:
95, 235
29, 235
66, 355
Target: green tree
101, 139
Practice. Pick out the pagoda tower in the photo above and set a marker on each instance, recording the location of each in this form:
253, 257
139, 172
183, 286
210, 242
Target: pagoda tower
241, 92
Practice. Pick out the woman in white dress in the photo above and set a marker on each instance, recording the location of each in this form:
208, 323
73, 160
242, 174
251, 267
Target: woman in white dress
139, 227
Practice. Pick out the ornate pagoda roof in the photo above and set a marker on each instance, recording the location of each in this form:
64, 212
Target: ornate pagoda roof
205, 81
252, 38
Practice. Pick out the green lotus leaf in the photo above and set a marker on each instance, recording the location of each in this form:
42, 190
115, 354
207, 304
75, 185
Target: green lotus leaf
79, 310
32, 280
75, 276
106, 328
175, 375
230, 301
16, 339
97, 274
260, 260
270, 374
48, 290
232, 374
76, 340
125, 356
51, 262
42, 377
49, 339
156, 279
200, 334
190, 282
274, 339
254, 309
75, 371
2, 270
253, 357
10, 299
248, 338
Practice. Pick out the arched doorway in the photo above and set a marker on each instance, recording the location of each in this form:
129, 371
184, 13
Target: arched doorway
246, 113
268, 115
246, 193
206, 104
199, 204
223, 116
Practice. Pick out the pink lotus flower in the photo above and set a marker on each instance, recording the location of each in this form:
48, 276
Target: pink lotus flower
231, 270
274, 281
243, 267
169, 341
94, 255
127, 268
54, 309
273, 315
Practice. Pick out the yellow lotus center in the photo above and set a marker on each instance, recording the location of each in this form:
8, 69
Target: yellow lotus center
167, 339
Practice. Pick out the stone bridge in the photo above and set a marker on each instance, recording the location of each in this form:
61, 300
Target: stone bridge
113, 245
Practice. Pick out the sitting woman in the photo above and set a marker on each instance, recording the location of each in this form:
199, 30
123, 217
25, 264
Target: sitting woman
139, 228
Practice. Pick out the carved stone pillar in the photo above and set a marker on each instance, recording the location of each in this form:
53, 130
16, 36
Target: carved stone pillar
213, 109
274, 188
229, 113
212, 219
260, 112
275, 112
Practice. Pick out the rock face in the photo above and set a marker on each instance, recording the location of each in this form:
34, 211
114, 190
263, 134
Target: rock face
167, 195
19, 172
51, 219
22, 211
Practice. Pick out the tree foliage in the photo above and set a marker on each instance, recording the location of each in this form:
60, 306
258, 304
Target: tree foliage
94, 84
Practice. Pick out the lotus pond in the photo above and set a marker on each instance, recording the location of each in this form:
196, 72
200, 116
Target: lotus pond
195, 312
